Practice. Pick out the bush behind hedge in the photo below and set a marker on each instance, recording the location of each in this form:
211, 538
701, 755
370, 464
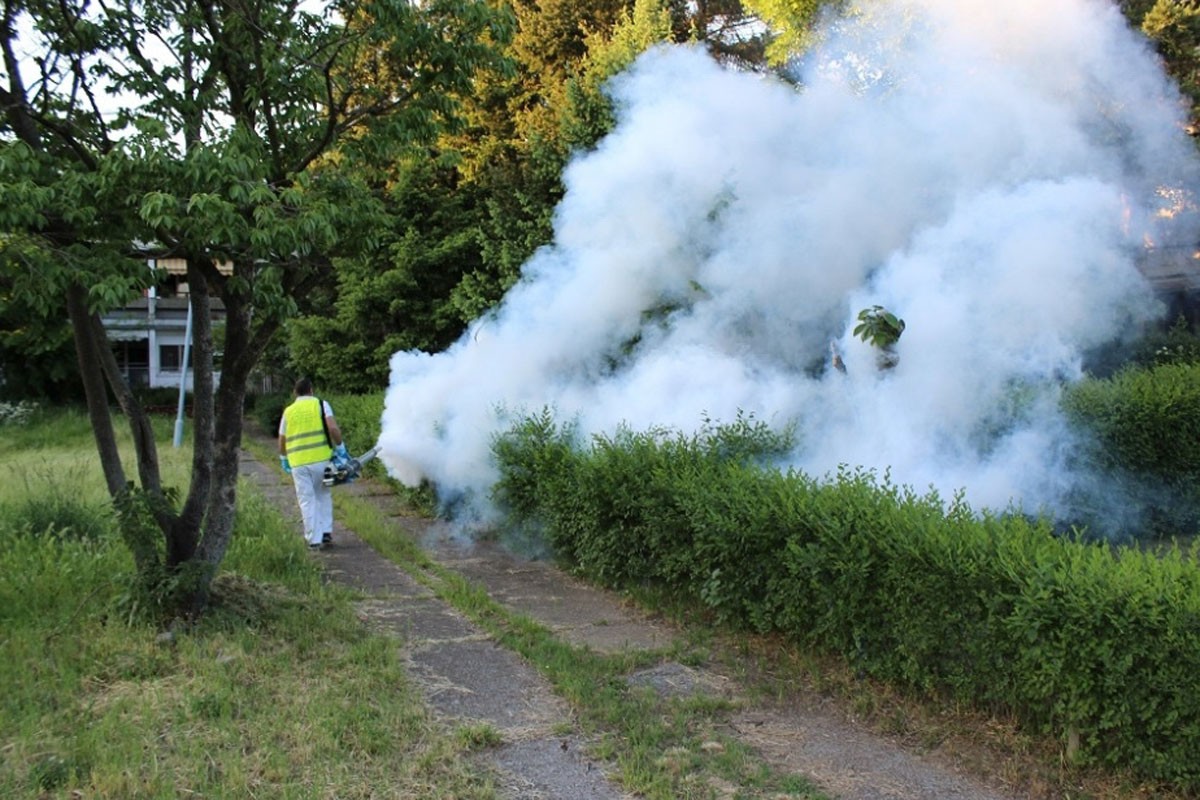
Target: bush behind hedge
360, 417
1072, 637
1142, 427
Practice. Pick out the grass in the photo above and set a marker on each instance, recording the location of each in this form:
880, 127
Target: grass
278, 692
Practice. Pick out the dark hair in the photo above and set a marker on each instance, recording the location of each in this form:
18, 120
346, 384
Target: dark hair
303, 387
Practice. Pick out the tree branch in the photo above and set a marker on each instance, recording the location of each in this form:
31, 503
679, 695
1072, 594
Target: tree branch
15, 99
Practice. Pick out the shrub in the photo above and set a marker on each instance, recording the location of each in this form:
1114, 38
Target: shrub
1177, 345
60, 515
360, 417
1143, 425
530, 454
53, 505
1145, 420
268, 410
160, 398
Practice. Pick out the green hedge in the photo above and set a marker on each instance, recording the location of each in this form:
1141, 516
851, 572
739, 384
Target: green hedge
1074, 638
1144, 429
1146, 420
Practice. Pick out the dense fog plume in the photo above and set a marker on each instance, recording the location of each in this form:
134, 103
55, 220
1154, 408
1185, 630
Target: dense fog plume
989, 172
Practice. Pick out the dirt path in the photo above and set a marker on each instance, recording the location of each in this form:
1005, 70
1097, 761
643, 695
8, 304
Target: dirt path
468, 677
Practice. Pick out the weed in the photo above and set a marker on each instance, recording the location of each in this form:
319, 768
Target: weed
478, 737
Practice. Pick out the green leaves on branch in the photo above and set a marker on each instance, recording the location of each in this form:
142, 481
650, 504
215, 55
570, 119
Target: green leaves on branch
791, 24
878, 327
1174, 28
158, 210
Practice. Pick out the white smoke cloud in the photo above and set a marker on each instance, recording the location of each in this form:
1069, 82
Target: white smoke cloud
984, 170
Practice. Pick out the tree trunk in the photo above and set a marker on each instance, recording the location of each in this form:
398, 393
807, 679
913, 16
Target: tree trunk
94, 389
139, 422
184, 537
222, 430
230, 397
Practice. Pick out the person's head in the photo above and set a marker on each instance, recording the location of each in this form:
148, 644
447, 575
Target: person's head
303, 387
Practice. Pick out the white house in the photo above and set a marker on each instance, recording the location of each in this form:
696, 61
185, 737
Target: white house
148, 335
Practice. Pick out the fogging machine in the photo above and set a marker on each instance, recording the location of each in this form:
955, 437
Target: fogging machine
337, 474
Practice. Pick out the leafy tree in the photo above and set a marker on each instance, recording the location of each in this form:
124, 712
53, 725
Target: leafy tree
466, 219
1135, 10
553, 105
36, 351
470, 212
791, 24
588, 114
552, 37
1174, 27
395, 297
728, 28
223, 148
550, 43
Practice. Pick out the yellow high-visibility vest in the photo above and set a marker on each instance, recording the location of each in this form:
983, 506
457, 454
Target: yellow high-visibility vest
304, 429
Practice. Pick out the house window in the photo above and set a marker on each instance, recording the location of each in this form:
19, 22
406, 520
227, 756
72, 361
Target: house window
170, 357
133, 357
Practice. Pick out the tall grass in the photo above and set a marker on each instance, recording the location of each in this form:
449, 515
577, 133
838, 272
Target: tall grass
277, 692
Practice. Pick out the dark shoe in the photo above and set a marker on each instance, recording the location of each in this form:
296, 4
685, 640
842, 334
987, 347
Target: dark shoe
326, 540
314, 547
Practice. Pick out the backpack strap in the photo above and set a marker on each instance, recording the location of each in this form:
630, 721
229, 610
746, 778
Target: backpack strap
324, 424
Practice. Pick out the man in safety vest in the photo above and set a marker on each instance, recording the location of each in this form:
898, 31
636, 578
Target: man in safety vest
309, 438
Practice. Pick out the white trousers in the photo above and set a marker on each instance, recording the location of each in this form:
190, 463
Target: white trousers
316, 500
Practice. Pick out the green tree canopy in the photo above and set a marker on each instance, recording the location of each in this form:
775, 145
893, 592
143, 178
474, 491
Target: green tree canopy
1174, 27
790, 22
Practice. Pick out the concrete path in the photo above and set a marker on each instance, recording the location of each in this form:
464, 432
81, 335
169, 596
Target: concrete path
465, 676
469, 678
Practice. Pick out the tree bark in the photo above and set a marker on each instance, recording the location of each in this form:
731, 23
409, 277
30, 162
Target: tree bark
139, 422
227, 430
90, 371
184, 538
243, 347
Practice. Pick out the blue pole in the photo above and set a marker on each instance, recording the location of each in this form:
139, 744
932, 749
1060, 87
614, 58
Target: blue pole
183, 371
